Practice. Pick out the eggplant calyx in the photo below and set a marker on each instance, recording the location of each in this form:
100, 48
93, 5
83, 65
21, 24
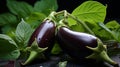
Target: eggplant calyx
100, 53
34, 50
62, 24
51, 16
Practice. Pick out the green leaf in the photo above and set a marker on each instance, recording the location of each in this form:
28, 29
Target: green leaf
112, 25
11, 55
63, 64
102, 34
105, 28
56, 49
46, 6
5, 38
111, 32
19, 8
35, 19
7, 48
7, 18
35, 16
77, 27
7, 29
71, 22
90, 11
23, 32
118, 35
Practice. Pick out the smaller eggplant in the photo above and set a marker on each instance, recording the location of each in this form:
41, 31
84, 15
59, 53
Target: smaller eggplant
44, 34
41, 41
82, 46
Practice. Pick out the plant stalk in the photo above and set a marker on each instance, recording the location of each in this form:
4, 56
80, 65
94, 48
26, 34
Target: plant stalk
100, 53
32, 56
66, 14
106, 58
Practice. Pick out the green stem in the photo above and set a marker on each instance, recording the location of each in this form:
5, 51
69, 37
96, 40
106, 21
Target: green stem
32, 56
82, 23
100, 53
106, 58
66, 14
51, 16
103, 53
60, 12
34, 50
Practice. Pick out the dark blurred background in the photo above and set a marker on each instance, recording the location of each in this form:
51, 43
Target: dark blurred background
113, 11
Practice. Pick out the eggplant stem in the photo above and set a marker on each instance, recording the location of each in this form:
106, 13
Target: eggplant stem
34, 50
106, 58
32, 56
100, 53
67, 14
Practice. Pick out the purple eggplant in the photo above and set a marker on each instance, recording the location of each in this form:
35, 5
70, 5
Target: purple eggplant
82, 46
44, 34
75, 43
41, 41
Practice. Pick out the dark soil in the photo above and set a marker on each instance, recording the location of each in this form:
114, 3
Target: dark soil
54, 60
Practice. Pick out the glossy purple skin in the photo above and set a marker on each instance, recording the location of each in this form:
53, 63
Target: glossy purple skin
44, 34
74, 43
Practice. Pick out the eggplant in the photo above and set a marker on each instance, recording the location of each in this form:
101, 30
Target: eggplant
44, 34
41, 41
82, 46
74, 42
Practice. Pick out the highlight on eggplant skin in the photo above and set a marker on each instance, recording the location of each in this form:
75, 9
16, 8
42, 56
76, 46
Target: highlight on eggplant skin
44, 34
74, 43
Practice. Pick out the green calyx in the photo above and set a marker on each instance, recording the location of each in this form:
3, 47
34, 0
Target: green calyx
34, 50
62, 23
100, 53
51, 17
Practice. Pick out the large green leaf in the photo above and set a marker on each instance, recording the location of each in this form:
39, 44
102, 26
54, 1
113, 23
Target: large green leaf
8, 48
19, 8
90, 11
23, 32
46, 6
